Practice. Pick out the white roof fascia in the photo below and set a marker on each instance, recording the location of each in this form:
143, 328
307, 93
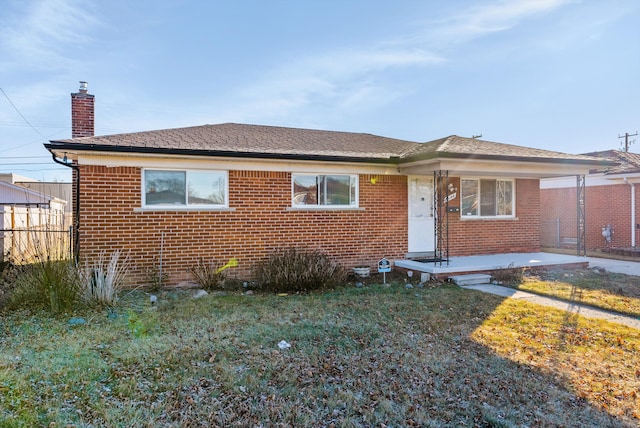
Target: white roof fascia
496, 168
230, 163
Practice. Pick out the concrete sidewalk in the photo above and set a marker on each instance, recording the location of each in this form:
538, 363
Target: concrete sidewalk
582, 310
618, 266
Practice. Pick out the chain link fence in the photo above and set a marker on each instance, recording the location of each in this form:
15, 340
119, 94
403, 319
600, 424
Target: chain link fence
556, 233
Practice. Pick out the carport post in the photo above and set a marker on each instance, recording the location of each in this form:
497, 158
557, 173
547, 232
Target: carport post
581, 244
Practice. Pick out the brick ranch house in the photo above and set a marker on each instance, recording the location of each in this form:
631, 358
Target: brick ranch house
612, 205
232, 190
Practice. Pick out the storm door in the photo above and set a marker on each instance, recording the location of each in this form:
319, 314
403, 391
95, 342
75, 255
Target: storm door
421, 220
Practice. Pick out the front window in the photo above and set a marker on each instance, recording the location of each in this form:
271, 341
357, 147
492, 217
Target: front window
325, 190
185, 188
487, 198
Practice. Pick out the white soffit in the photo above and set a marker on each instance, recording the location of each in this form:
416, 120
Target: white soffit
230, 163
461, 167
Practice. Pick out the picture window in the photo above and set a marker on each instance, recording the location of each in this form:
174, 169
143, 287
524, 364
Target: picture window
487, 198
325, 190
184, 188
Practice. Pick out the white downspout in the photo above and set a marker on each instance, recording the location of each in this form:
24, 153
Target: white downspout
633, 212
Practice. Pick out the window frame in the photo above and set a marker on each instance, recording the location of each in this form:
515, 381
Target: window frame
186, 206
479, 200
354, 199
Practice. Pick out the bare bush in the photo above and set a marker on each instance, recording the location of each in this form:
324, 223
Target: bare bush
298, 270
511, 275
211, 275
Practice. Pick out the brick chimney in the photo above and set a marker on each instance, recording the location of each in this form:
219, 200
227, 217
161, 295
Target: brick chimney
82, 108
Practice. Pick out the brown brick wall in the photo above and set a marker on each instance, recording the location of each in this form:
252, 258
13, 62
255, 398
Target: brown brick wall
604, 205
262, 221
497, 236
82, 115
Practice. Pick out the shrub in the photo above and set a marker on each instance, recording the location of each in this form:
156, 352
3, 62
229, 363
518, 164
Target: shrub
49, 284
511, 275
140, 325
298, 270
156, 277
8, 275
210, 275
102, 281
41, 273
5, 265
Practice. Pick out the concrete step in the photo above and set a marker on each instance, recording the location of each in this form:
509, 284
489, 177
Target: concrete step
471, 279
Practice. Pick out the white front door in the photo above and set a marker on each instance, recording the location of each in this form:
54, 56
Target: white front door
421, 220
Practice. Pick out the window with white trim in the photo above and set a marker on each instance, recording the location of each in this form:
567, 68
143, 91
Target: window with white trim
487, 198
324, 190
184, 188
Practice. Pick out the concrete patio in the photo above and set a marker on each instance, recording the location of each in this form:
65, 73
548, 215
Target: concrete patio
493, 262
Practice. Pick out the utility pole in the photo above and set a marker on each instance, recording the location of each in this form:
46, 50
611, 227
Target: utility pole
626, 140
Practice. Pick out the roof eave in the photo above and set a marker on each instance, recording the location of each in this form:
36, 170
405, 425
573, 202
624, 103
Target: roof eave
509, 158
76, 148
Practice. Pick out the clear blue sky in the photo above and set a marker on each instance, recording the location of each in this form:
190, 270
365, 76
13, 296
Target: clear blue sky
553, 74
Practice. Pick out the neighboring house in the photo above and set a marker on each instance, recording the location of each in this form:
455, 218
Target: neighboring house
57, 189
173, 196
11, 178
30, 222
611, 200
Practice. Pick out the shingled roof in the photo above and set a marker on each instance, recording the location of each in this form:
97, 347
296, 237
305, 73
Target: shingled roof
462, 147
259, 141
628, 163
247, 140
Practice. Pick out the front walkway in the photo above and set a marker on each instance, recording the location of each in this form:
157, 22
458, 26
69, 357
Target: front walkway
582, 310
493, 262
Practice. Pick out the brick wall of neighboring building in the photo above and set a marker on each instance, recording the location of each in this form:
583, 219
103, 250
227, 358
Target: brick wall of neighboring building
559, 217
604, 205
260, 221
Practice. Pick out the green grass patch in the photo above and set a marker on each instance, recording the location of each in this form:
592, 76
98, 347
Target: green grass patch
369, 356
598, 359
609, 291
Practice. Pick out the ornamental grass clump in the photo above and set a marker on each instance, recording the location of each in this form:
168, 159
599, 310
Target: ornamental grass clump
43, 275
298, 270
102, 280
49, 284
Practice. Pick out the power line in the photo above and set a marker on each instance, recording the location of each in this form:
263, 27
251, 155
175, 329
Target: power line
61, 169
40, 125
26, 157
23, 166
20, 113
31, 142
26, 163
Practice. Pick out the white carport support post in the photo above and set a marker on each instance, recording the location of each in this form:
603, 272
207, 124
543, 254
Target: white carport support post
633, 212
581, 223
